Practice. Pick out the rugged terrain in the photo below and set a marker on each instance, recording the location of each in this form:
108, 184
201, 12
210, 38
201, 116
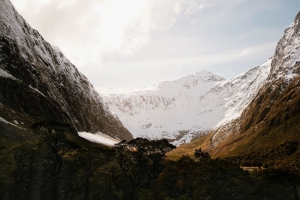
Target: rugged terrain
39, 82
189, 107
267, 132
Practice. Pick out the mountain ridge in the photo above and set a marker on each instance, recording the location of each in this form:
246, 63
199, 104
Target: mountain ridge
285, 68
267, 132
38, 80
203, 100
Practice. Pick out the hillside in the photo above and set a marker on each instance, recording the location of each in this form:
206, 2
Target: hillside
267, 133
38, 81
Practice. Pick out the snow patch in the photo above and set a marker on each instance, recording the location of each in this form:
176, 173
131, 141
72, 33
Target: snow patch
6, 75
7, 122
35, 89
99, 138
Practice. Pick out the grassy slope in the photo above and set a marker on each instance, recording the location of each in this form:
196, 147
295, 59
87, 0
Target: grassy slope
203, 142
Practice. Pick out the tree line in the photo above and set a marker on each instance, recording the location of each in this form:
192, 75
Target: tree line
55, 167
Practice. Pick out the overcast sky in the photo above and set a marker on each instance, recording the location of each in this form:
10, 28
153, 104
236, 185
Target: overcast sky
137, 43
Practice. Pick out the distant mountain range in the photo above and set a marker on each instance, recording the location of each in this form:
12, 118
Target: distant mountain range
183, 109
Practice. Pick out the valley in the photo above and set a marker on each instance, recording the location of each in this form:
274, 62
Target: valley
188, 138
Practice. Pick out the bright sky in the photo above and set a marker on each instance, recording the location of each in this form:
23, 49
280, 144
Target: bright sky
137, 43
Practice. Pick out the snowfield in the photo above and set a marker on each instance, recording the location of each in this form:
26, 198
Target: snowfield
185, 108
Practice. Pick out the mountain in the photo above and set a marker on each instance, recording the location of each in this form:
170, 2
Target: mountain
275, 111
256, 101
166, 110
267, 131
37, 82
186, 108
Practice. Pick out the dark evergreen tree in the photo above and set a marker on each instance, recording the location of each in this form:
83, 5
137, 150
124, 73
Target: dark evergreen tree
140, 163
53, 142
201, 155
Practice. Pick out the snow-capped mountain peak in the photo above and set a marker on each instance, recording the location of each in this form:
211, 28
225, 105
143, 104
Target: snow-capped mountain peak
286, 62
191, 81
182, 109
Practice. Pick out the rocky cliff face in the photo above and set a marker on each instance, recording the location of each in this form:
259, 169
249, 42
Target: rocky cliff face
277, 102
280, 90
36, 79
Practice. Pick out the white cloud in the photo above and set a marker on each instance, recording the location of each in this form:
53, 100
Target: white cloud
86, 31
267, 47
133, 40
177, 8
194, 7
228, 56
123, 25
